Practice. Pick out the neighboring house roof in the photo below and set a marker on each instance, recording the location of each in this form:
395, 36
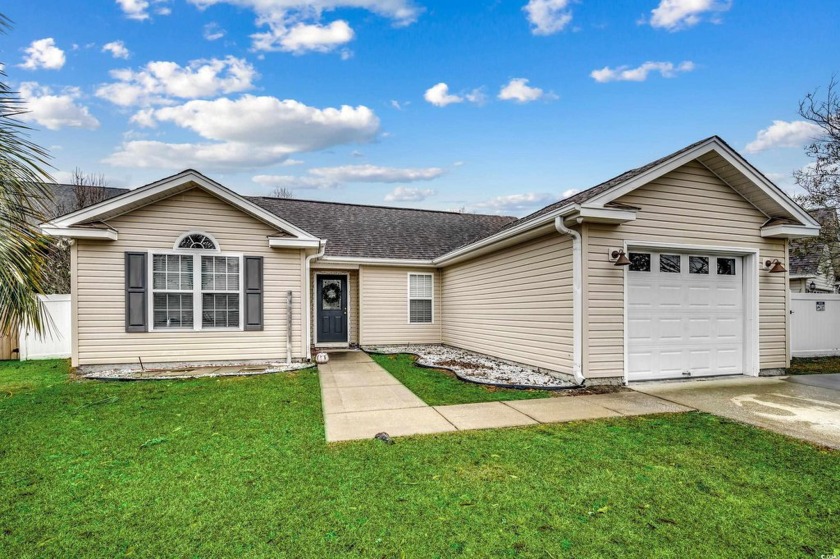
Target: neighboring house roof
807, 265
811, 259
359, 231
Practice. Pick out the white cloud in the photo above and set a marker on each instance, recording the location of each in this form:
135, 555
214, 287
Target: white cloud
374, 173
158, 82
515, 203
247, 132
43, 54
674, 15
568, 193
302, 38
408, 194
517, 89
296, 25
117, 49
333, 177
293, 182
783, 134
548, 16
139, 9
213, 31
55, 110
439, 96
640, 73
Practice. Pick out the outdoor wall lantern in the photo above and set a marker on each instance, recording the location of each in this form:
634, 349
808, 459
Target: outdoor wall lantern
812, 287
620, 258
774, 266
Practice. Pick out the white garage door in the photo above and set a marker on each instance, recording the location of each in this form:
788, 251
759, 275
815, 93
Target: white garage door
685, 315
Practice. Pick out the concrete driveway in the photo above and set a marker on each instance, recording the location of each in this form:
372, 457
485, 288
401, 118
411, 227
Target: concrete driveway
805, 407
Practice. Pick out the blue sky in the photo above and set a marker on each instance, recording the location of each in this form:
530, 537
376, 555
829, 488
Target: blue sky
492, 106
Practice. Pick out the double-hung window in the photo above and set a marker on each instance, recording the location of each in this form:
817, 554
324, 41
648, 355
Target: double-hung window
420, 298
194, 290
220, 292
172, 287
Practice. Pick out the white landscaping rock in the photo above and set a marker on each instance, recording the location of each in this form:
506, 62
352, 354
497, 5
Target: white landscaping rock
184, 371
475, 367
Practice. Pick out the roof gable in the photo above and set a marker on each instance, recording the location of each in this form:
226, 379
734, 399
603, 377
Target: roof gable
166, 188
714, 154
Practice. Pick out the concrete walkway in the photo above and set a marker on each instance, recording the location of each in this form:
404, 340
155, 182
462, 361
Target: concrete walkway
361, 399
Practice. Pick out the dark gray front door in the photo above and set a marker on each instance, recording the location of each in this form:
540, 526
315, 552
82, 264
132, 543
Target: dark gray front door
332, 308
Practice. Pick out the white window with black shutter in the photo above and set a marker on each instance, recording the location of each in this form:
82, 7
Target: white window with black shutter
420, 298
194, 286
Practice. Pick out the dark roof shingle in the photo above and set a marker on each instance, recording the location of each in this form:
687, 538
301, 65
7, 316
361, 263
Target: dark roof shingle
381, 232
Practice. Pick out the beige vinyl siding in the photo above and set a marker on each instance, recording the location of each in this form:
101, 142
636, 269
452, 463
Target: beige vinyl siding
515, 303
100, 277
384, 308
687, 206
353, 304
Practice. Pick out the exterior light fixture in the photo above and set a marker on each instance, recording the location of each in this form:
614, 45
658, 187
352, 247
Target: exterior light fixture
812, 287
620, 258
774, 266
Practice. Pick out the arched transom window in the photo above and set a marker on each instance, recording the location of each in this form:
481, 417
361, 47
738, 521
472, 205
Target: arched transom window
197, 241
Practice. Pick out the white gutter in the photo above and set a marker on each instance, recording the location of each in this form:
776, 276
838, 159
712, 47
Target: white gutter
378, 261
577, 298
306, 302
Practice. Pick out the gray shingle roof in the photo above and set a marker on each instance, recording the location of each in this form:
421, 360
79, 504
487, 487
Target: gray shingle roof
807, 264
382, 232
806, 255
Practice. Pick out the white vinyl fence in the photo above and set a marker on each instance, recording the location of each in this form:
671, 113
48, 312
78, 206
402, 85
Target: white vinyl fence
814, 324
56, 343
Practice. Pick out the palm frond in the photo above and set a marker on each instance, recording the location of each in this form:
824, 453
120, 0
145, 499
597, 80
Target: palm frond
24, 197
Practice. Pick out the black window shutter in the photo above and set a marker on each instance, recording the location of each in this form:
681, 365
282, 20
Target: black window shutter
136, 313
253, 292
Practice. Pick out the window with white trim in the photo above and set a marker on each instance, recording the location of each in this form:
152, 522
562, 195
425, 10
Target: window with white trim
193, 290
219, 292
172, 290
420, 298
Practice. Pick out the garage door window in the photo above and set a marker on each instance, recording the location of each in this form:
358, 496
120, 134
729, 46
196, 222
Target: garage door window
669, 263
639, 262
698, 264
726, 266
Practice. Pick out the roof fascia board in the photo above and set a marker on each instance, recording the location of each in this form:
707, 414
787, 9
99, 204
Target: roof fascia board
789, 232
160, 187
292, 242
601, 215
80, 232
378, 261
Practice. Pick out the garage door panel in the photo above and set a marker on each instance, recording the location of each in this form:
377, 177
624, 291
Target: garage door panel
682, 323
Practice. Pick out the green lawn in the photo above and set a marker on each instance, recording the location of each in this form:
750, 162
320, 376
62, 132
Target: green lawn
814, 365
437, 387
238, 467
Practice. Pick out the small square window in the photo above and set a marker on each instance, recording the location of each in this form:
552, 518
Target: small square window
639, 262
669, 263
698, 264
726, 266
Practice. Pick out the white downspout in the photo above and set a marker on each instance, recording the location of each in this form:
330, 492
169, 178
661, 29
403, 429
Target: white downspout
306, 302
577, 298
